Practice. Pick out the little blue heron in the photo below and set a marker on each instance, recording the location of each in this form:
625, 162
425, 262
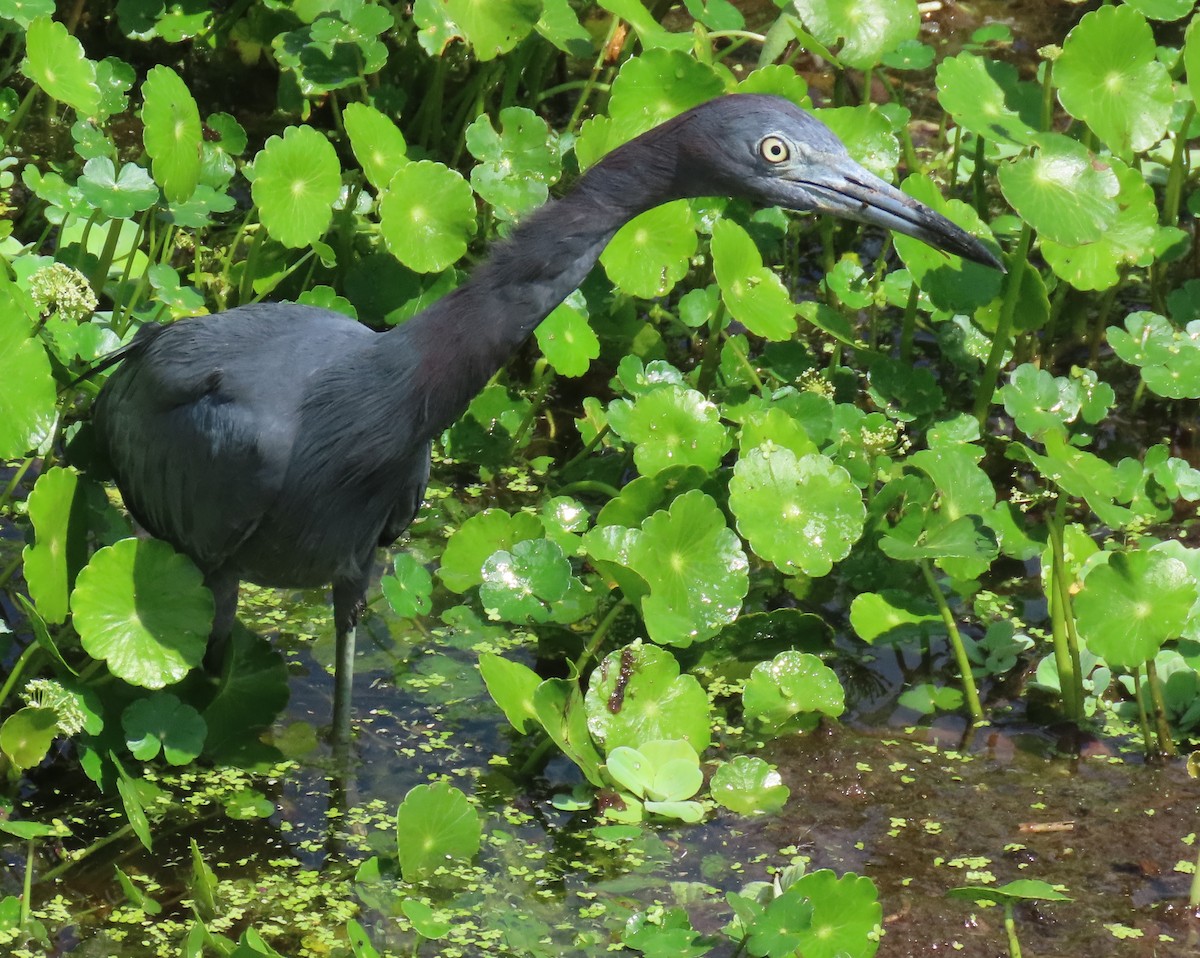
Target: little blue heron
283, 444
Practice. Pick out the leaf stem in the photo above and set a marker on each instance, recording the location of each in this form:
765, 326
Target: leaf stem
1012, 291
1166, 744
1010, 929
956, 642
1065, 636
598, 636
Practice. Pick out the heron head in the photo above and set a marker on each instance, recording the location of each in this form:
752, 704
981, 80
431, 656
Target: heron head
769, 150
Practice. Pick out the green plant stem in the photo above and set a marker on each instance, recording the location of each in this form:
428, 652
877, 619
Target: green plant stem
246, 287
27, 655
545, 381
308, 255
20, 114
955, 154
1065, 636
549, 92
536, 758
739, 34
591, 83
1143, 716
712, 350
1012, 289
978, 187
588, 448
96, 846
908, 328
1010, 929
15, 481
956, 642
1100, 324
1194, 896
1166, 744
100, 275
744, 362
27, 885
1177, 173
123, 308
590, 485
1047, 116
599, 635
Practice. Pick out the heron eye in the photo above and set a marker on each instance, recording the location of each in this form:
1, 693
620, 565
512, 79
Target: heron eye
774, 150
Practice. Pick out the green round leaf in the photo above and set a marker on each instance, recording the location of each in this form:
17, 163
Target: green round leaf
171, 133
792, 684
477, 539
377, 142
670, 426
847, 920
1132, 604
27, 734
247, 804
29, 398
427, 215
424, 922
986, 97
435, 824
25, 12
521, 584
142, 608
777, 427
1169, 357
868, 28
163, 722
777, 931
749, 786
1039, 401
1109, 76
649, 90
637, 695
756, 297
695, 568
566, 338
297, 179
54, 60
953, 284
494, 27
894, 616
1130, 240
666, 770
802, 514
1023, 889
409, 588
653, 251
867, 135
1061, 191
511, 686
117, 196
518, 165
57, 507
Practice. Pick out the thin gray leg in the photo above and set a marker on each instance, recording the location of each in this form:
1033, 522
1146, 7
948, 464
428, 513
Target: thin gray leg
347, 604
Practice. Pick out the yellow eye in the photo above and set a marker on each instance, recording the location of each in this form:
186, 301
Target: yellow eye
774, 150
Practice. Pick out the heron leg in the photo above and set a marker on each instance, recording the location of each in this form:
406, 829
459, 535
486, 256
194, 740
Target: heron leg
347, 605
224, 586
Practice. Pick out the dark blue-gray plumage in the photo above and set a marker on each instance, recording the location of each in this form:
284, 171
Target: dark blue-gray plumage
283, 444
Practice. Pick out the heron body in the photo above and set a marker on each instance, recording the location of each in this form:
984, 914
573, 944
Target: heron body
282, 444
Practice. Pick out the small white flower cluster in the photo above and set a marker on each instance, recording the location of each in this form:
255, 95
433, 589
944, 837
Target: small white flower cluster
48, 694
60, 289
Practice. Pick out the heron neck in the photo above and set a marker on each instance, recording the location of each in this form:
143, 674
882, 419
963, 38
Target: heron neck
461, 341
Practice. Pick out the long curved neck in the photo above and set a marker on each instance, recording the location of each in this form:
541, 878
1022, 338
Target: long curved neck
461, 341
